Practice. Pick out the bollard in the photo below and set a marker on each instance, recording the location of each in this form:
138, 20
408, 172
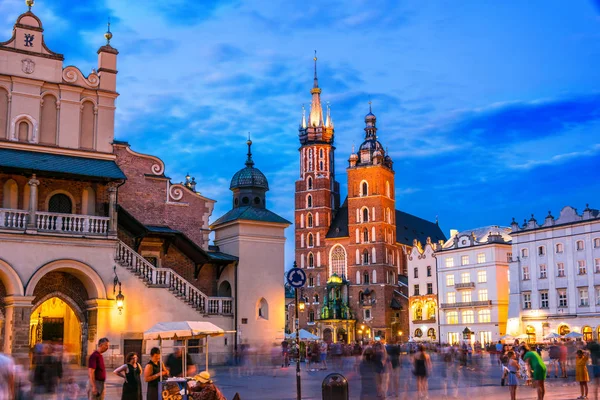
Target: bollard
335, 387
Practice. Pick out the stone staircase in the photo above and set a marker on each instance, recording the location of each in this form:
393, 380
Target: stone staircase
167, 279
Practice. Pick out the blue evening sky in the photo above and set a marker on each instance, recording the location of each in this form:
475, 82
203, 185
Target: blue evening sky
489, 109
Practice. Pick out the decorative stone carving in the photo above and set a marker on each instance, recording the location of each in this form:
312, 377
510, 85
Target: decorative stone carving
175, 192
27, 65
73, 75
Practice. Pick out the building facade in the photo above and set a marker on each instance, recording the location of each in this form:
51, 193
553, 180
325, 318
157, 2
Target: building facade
84, 220
473, 285
555, 275
423, 290
362, 242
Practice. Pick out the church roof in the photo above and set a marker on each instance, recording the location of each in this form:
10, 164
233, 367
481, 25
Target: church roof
250, 213
408, 227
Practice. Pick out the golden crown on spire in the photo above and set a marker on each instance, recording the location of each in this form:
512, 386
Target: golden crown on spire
29, 3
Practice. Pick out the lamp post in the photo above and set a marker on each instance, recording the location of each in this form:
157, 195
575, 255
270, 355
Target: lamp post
300, 306
120, 298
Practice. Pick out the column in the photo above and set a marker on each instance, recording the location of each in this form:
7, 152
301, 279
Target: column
112, 210
33, 203
16, 332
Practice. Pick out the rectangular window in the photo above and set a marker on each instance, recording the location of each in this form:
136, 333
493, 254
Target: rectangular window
583, 297
449, 280
449, 262
430, 288
482, 276
428, 270
466, 296
581, 267
464, 260
480, 258
562, 298
560, 269
452, 317
416, 273
544, 300
525, 272
597, 265
508, 257
559, 247
465, 277
596, 243
524, 253
311, 281
598, 296
541, 251
416, 290
483, 295
580, 245
468, 317
451, 297
543, 271
484, 316
526, 301
367, 313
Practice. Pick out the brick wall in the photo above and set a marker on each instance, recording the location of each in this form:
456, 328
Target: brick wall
64, 283
144, 195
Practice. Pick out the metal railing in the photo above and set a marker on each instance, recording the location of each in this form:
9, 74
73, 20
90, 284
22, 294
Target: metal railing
171, 280
464, 285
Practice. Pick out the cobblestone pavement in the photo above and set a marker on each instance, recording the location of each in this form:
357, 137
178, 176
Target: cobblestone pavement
477, 382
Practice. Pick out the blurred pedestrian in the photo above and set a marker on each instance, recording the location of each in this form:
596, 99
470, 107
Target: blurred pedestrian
421, 369
393, 356
97, 371
367, 371
563, 359
174, 363
538, 370
131, 371
512, 369
554, 354
153, 371
581, 373
594, 349
7, 377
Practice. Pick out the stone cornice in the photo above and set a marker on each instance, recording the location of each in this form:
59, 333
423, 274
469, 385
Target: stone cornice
6, 144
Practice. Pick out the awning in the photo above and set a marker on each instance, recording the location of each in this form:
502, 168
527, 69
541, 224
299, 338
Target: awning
59, 166
182, 330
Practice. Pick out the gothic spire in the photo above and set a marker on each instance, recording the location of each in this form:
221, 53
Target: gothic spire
316, 110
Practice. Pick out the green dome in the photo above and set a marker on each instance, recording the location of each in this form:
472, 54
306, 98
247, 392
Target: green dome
249, 177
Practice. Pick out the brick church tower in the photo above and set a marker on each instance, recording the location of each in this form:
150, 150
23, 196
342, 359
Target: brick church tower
317, 192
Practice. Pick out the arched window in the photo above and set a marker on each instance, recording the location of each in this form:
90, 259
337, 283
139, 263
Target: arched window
311, 316
559, 247
587, 334
309, 220
365, 257
310, 240
310, 159
365, 235
86, 130
357, 235
388, 192
418, 313
309, 183
309, 201
311, 260
224, 289
364, 189
88, 202
374, 276
48, 121
3, 113
10, 195
429, 270
524, 253
263, 309
358, 278
388, 216
321, 153
338, 261
60, 203
579, 245
23, 131
366, 278
373, 238
365, 214
316, 298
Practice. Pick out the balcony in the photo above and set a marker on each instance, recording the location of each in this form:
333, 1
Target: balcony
368, 302
70, 224
424, 321
482, 303
464, 285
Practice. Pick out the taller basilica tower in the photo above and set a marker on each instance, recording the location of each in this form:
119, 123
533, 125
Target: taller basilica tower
317, 192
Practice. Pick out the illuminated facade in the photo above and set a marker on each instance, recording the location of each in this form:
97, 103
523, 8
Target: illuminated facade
473, 279
423, 290
363, 241
555, 275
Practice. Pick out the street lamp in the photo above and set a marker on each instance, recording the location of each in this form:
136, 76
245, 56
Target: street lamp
400, 338
120, 298
301, 304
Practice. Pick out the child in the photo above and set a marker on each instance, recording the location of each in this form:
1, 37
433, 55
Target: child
581, 373
511, 369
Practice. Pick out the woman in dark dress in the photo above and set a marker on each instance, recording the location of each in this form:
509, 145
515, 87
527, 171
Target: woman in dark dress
153, 373
131, 371
421, 369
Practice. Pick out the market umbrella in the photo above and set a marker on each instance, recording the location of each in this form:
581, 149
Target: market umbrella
303, 334
553, 335
522, 336
573, 335
507, 337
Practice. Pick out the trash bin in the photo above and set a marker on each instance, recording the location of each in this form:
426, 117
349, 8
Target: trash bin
335, 387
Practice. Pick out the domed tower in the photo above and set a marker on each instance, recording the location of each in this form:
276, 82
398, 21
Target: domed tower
256, 236
249, 185
317, 192
372, 254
